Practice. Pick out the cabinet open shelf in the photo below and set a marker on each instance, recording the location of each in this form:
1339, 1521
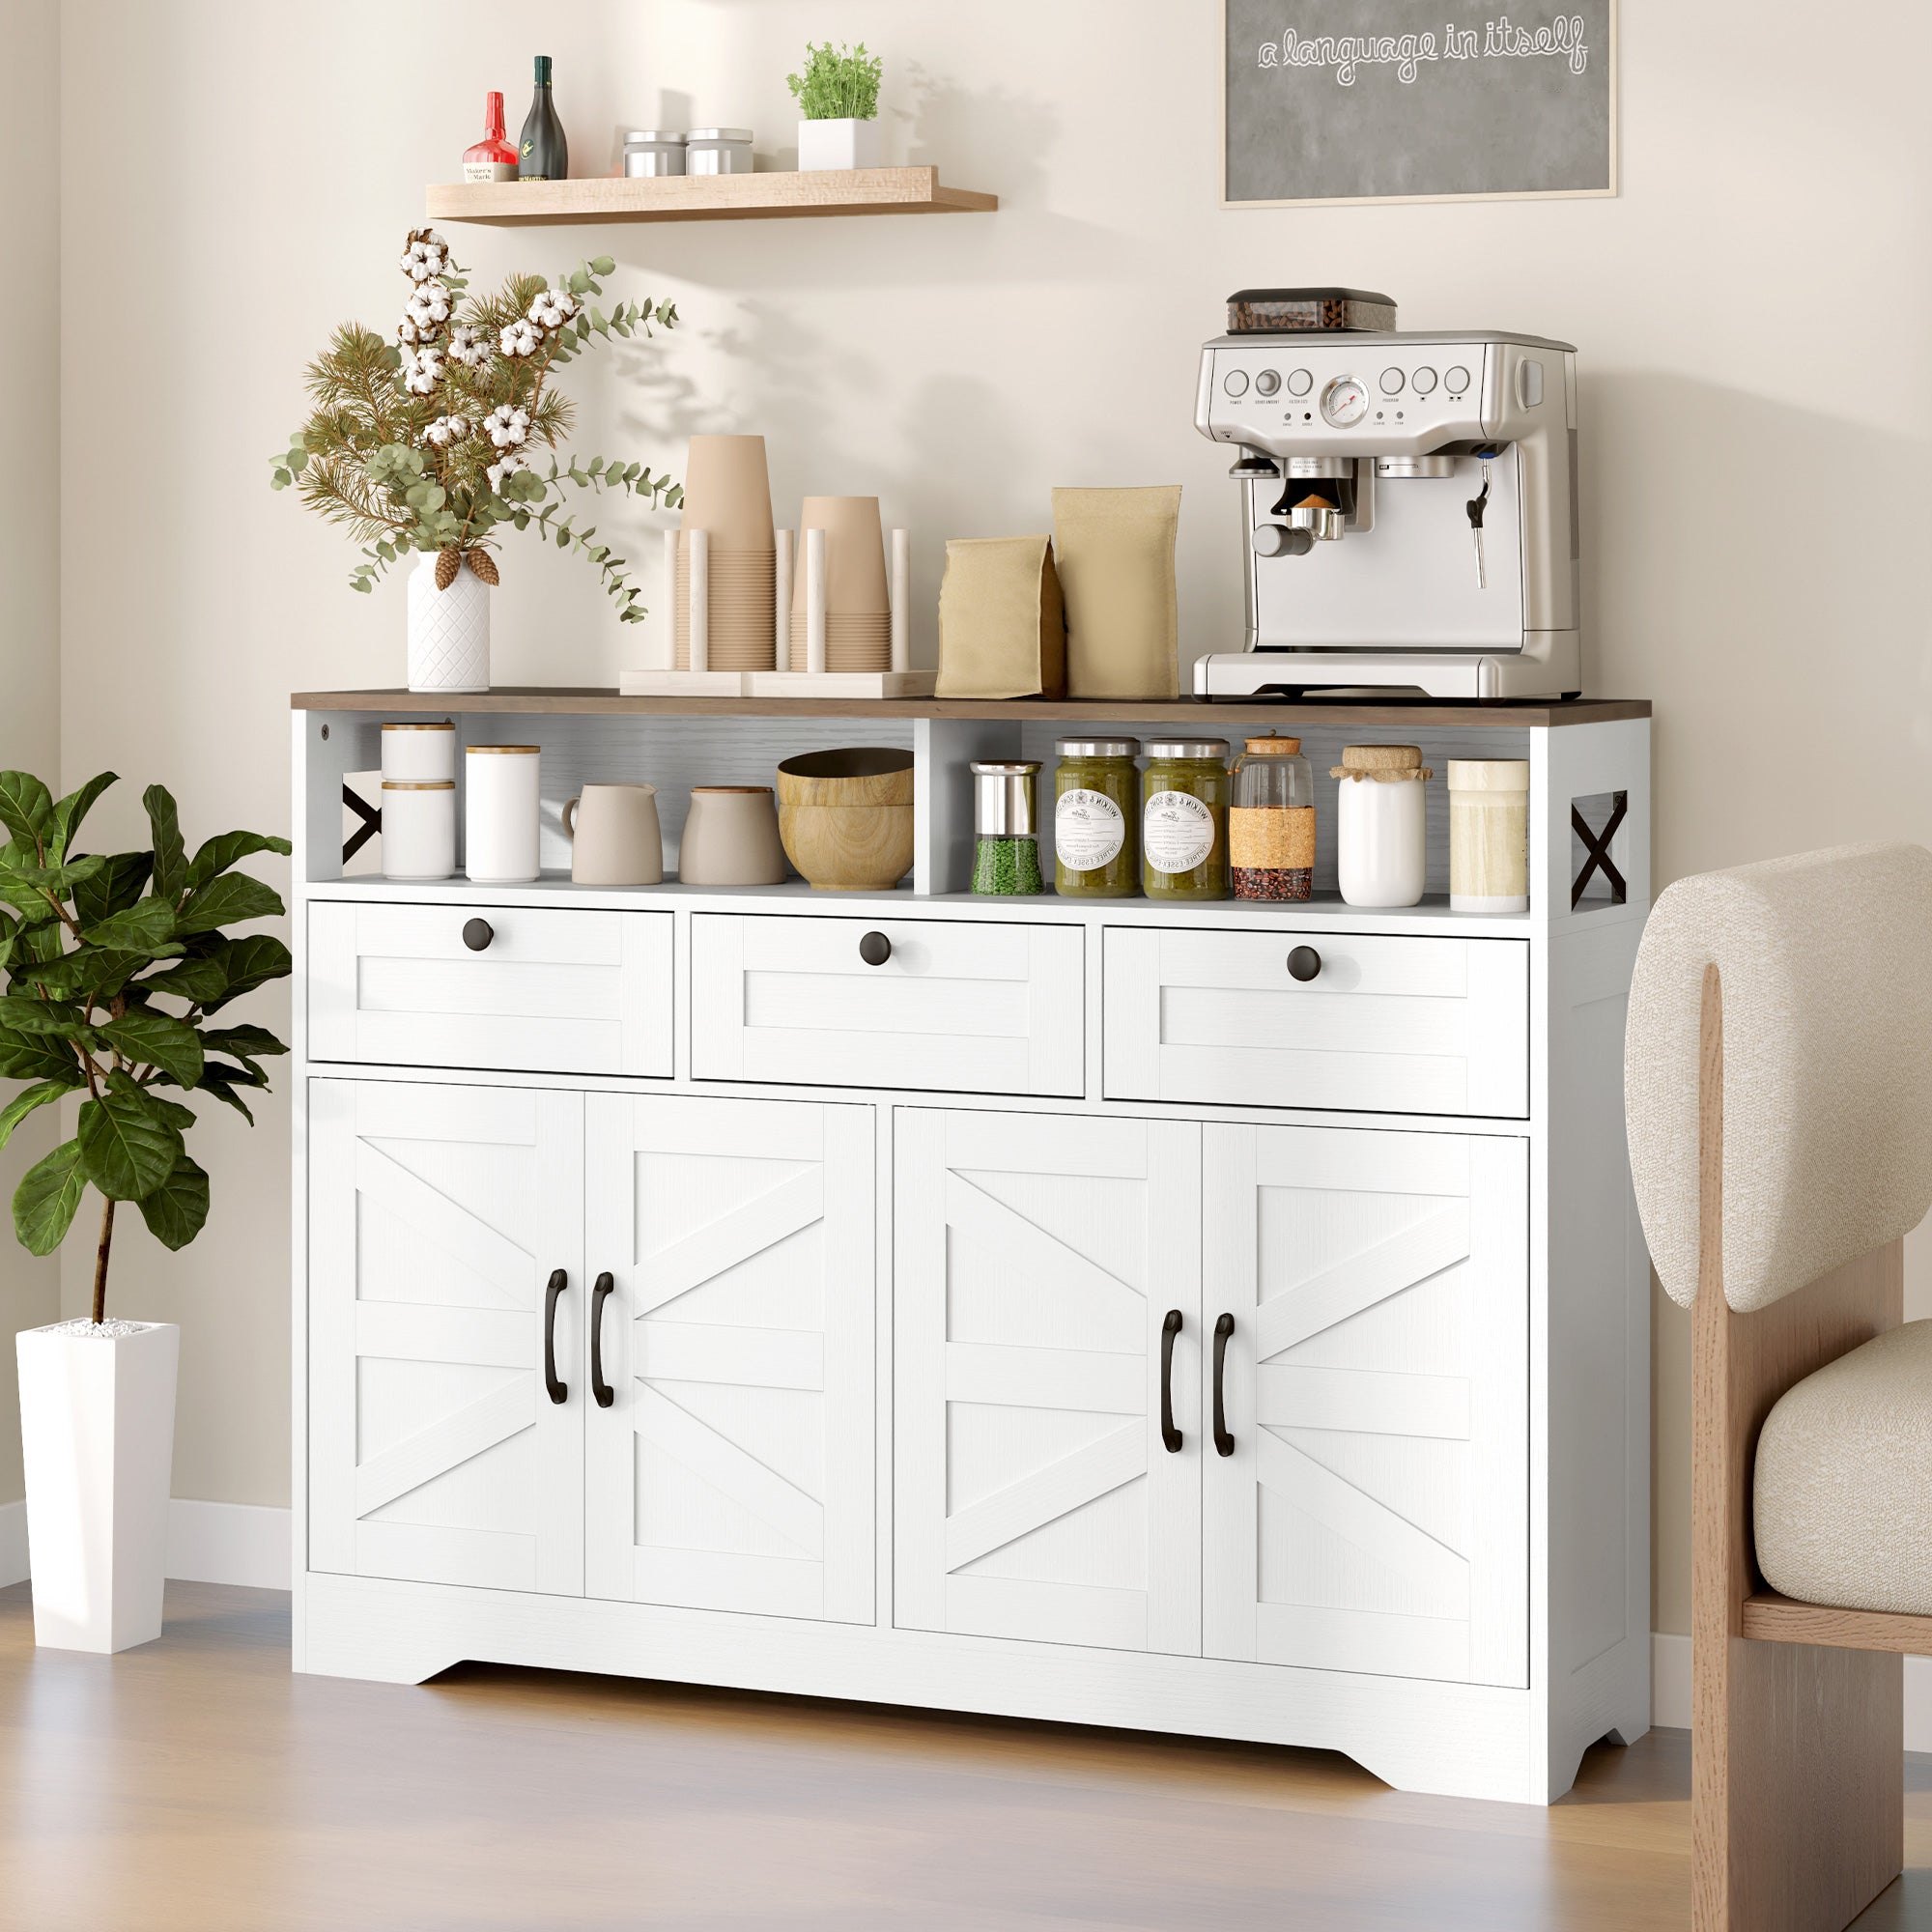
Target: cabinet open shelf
752, 197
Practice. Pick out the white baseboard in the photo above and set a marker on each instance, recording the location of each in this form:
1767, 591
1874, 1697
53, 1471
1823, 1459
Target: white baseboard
12, 1544
1670, 1690
228, 1543
208, 1543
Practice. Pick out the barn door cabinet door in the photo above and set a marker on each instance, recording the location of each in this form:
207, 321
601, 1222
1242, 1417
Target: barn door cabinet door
439, 1218
1373, 1513
732, 1469
1040, 1264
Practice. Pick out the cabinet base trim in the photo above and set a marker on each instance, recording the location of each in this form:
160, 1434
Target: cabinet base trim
1453, 1740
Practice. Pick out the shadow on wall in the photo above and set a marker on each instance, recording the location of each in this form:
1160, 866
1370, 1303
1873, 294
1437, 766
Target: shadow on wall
1739, 562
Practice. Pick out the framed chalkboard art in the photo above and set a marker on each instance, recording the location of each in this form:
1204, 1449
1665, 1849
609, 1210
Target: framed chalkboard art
1350, 101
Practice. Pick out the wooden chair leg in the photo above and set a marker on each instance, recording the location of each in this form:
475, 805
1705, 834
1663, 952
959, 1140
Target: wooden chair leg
1798, 1785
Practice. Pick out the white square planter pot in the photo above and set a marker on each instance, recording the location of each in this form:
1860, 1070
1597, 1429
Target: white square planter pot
97, 1432
837, 144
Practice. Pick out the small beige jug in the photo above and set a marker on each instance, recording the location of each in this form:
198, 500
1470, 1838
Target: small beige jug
614, 837
731, 838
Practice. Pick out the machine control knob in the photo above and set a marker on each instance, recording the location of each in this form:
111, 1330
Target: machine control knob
1278, 540
1267, 383
1237, 383
875, 948
1456, 381
1299, 382
1304, 963
1424, 383
477, 933
1392, 381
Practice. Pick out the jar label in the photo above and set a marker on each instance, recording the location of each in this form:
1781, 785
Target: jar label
1178, 831
1089, 829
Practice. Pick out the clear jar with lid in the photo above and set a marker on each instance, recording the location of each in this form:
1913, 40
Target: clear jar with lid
1272, 822
1006, 859
1096, 847
1381, 824
1185, 819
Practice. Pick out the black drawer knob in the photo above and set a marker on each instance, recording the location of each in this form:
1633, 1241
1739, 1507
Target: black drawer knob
477, 933
1304, 962
875, 948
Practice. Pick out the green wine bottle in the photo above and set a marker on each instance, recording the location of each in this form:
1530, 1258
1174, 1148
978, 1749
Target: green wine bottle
543, 153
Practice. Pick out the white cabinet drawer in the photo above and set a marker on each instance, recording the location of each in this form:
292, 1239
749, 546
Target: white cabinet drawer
554, 991
1386, 1025
958, 1006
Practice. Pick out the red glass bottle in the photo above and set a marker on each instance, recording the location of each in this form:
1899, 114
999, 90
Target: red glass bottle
492, 159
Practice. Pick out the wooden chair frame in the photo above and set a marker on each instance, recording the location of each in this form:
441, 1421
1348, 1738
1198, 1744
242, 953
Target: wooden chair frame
1798, 1744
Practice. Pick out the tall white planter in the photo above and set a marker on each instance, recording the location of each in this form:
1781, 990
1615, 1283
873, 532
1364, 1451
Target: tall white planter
837, 144
449, 629
98, 1431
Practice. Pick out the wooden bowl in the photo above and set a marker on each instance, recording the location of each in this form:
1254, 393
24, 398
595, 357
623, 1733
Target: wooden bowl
845, 817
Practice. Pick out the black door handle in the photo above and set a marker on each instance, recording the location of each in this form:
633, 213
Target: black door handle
601, 1291
559, 1391
477, 933
1304, 962
1224, 1443
875, 948
1169, 1437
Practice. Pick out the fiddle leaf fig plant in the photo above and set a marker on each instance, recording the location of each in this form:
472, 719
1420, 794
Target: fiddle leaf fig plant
115, 967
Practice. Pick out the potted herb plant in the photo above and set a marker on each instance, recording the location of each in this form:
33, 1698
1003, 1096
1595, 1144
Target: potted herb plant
838, 96
117, 967
430, 444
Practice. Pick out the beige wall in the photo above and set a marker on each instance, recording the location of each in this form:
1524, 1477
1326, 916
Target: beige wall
1748, 311
30, 350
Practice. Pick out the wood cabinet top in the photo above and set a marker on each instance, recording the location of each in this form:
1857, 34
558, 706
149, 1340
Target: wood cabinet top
585, 701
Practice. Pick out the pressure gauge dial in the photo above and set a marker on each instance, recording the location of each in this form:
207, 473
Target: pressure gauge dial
1344, 402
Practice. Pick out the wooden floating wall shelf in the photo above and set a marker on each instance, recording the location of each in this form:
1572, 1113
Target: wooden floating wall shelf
753, 197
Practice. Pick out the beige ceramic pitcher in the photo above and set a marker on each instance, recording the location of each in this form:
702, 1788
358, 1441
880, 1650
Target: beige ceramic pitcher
614, 837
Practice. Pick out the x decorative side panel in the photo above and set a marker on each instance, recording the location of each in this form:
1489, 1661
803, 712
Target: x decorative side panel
437, 1217
733, 1467
1374, 1515
1037, 1260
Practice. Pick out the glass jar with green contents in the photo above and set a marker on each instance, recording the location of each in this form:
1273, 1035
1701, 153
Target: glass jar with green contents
1096, 847
1185, 819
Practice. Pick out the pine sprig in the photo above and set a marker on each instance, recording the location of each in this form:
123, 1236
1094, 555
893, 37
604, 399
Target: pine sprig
426, 443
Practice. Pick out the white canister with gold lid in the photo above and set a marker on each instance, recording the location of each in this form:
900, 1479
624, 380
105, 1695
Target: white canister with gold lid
419, 830
1488, 834
1381, 841
502, 803
419, 753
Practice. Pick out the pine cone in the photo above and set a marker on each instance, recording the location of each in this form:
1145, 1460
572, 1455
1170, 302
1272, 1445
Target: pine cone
485, 567
448, 561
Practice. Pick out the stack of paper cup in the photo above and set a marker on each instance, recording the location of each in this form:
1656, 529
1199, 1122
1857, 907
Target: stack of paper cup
728, 493
419, 801
858, 612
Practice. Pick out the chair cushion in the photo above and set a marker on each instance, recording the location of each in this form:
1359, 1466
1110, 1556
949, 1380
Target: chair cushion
1843, 1482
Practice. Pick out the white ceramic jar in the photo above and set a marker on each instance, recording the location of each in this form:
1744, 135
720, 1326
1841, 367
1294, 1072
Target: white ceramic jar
419, 753
500, 817
419, 830
1382, 838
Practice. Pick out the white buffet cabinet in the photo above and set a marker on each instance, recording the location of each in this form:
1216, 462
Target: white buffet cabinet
1075, 1317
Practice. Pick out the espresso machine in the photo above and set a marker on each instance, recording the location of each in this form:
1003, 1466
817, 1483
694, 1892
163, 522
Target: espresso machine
1408, 501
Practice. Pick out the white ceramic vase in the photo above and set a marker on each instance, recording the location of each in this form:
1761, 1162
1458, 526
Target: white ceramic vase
837, 144
98, 1434
449, 629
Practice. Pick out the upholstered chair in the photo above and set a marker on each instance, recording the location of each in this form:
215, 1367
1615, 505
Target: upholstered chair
1779, 1088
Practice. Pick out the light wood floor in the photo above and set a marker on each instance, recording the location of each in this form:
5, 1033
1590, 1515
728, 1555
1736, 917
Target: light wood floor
194, 1783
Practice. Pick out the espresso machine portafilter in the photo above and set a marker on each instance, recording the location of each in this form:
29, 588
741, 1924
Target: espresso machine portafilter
1408, 503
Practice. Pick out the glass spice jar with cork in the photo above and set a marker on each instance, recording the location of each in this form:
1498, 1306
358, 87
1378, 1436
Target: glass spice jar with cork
1272, 822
